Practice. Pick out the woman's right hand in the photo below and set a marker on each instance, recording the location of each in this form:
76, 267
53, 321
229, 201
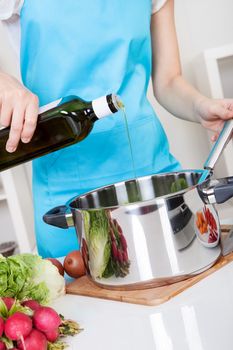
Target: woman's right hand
18, 109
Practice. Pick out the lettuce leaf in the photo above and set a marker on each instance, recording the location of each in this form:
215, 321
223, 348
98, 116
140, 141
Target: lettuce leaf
98, 243
28, 276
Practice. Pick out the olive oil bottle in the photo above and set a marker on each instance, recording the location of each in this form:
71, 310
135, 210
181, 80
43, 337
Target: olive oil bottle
61, 123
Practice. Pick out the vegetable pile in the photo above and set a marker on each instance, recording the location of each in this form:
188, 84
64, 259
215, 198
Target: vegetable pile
27, 276
30, 326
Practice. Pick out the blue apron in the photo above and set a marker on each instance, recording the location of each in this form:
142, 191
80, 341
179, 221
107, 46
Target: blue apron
89, 49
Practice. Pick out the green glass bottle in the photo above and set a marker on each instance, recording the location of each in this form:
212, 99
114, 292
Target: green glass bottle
61, 123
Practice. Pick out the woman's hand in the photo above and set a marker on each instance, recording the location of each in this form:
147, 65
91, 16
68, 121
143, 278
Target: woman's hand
18, 109
213, 113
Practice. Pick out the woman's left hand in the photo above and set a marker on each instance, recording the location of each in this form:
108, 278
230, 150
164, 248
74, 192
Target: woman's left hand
213, 113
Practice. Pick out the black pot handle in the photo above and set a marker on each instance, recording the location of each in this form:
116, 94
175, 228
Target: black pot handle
59, 217
216, 191
224, 190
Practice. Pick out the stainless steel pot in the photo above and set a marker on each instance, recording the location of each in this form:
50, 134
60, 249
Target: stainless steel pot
149, 231
145, 232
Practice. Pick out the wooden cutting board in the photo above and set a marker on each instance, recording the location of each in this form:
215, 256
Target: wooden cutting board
151, 297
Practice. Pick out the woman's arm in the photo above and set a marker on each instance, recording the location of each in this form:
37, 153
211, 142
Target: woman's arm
170, 89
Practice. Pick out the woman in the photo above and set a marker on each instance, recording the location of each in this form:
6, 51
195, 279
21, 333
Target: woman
91, 48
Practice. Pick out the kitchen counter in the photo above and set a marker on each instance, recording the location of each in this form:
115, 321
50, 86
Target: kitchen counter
200, 318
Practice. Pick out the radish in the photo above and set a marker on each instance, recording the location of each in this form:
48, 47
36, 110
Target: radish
18, 325
34, 341
8, 302
46, 319
2, 346
32, 304
52, 336
1, 327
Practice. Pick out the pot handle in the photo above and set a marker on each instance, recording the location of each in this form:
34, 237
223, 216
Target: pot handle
224, 190
217, 191
59, 217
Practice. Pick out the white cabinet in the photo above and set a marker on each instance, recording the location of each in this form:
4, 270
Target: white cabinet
16, 209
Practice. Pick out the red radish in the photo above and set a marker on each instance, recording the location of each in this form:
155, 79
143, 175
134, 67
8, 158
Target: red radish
8, 302
18, 325
1, 327
52, 335
58, 265
32, 304
2, 346
34, 341
46, 319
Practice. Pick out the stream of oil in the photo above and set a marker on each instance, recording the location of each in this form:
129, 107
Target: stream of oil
130, 143
134, 194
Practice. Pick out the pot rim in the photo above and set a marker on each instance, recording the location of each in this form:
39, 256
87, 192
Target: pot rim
111, 196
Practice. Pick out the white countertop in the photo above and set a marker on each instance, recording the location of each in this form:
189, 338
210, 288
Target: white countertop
200, 318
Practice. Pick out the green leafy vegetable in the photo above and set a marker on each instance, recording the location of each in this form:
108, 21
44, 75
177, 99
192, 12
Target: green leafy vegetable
3, 309
27, 276
98, 241
86, 222
16, 307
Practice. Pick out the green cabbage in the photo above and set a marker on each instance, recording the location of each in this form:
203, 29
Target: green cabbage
27, 276
98, 242
86, 222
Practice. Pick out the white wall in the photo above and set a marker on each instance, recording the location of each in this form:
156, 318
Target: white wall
201, 24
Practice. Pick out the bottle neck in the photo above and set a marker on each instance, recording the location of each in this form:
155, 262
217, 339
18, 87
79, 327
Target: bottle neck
106, 105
